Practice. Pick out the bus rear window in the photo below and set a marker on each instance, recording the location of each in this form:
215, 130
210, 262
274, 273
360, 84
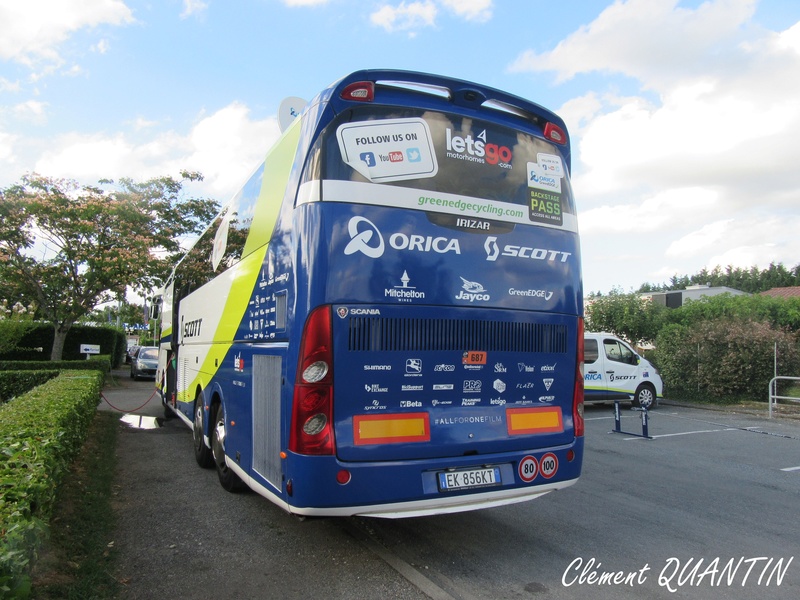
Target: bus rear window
449, 161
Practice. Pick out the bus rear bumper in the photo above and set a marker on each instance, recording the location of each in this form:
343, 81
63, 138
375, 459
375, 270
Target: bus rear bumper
439, 505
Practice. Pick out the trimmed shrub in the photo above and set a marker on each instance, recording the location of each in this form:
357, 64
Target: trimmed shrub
41, 433
14, 383
724, 360
33, 341
95, 363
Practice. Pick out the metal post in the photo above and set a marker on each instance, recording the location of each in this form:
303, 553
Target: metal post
617, 420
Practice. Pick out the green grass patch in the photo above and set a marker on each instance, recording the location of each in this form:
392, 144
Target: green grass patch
78, 560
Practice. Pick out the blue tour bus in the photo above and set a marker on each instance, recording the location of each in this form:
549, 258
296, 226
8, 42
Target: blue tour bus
387, 320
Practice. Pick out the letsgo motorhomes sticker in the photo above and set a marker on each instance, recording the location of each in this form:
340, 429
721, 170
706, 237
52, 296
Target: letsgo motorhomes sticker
388, 150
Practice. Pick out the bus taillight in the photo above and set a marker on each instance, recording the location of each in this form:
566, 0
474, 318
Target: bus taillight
360, 91
312, 424
577, 399
554, 133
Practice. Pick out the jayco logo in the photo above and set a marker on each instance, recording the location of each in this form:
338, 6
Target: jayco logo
367, 239
472, 291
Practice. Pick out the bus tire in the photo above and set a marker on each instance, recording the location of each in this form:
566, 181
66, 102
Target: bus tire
202, 453
645, 396
227, 478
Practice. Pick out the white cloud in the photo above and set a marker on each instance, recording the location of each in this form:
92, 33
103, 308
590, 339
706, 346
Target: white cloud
470, 10
708, 236
224, 146
653, 214
31, 110
7, 142
193, 7
702, 159
651, 40
31, 31
101, 47
293, 3
404, 17
416, 15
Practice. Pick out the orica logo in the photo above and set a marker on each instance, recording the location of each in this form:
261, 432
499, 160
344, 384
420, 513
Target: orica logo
360, 239
368, 240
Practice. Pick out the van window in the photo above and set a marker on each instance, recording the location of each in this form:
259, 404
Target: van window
619, 352
590, 353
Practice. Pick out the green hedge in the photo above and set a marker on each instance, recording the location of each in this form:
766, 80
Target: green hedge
14, 383
27, 338
41, 433
95, 363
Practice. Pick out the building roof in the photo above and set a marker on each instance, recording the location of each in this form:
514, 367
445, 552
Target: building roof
783, 292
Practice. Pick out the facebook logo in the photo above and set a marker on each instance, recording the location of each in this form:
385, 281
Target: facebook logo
368, 158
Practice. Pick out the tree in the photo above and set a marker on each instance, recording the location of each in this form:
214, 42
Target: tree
627, 315
70, 247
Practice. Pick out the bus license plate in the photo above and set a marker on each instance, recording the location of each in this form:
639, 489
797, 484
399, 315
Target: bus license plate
450, 481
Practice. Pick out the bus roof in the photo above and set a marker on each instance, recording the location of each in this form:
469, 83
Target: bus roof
393, 87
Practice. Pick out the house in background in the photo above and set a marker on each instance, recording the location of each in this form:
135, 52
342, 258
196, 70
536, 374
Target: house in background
783, 292
677, 298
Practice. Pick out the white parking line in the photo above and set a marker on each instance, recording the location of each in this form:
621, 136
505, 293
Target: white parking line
791, 469
655, 437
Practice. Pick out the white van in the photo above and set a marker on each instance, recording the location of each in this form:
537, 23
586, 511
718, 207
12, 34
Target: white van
612, 370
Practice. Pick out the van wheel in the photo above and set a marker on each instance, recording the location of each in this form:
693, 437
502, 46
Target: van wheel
202, 453
645, 396
227, 478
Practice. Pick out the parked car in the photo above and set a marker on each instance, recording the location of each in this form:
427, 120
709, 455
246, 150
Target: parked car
145, 362
612, 370
130, 353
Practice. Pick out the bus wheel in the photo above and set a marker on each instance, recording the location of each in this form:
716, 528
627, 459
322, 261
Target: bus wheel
227, 478
202, 453
645, 396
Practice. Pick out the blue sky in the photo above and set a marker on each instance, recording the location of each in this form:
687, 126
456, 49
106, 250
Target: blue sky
684, 115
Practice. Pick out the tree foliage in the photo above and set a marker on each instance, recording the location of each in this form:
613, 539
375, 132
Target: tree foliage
626, 315
752, 280
69, 247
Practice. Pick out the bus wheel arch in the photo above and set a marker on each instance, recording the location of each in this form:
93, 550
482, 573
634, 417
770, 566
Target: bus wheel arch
202, 453
227, 478
645, 396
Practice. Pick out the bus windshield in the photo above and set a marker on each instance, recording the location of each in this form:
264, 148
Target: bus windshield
465, 167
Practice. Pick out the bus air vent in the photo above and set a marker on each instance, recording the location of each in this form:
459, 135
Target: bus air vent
376, 334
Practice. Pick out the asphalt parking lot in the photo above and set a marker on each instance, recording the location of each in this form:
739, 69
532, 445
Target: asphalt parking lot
705, 509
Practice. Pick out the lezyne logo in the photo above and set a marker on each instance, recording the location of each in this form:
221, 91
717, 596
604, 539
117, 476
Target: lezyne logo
493, 252
367, 239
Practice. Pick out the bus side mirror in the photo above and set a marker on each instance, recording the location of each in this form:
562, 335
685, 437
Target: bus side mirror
155, 307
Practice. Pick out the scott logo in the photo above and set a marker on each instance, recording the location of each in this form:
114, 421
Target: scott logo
493, 251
